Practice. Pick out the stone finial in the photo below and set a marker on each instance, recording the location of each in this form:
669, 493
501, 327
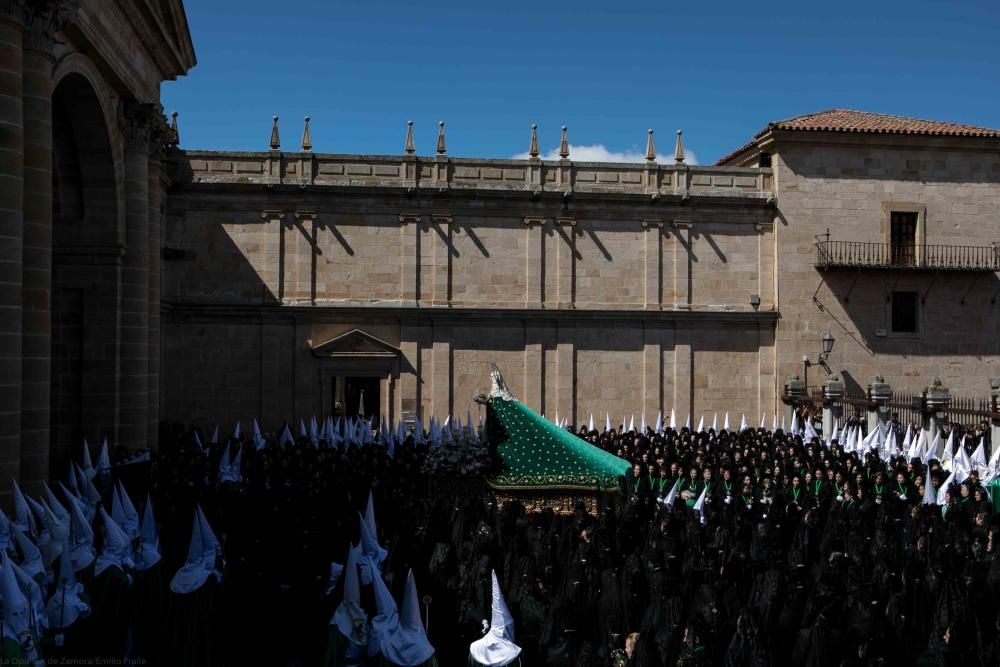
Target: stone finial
679, 149
408, 146
175, 140
533, 146
650, 149
441, 149
275, 143
307, 144
564, 145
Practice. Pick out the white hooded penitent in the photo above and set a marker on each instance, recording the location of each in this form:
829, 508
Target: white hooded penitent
497, 647
202, 555
407, 645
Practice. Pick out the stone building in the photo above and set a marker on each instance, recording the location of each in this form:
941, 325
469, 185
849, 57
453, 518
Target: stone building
81, 197
299, 280
140, 282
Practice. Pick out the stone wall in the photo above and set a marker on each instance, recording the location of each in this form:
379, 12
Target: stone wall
591, 294
849, 189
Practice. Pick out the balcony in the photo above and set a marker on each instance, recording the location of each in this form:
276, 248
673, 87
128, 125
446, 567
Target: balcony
887, 256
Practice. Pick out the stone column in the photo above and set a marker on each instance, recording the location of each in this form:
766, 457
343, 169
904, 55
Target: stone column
36, 318
157, 186
11, 236
134, 350
833, 389
936, 399
879, 394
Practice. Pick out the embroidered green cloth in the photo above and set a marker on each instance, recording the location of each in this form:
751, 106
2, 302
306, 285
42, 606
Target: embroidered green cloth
538, 455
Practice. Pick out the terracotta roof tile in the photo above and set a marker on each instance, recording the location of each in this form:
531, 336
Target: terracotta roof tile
847, 120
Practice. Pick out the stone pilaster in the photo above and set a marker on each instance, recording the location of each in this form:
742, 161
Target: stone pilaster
11, 235
565, 262
682, 263
534, 367
443, 253
441, 398
157, 186
683, 368
652, 370
653, 249
534, 258
565, 374
134, 350
409, 258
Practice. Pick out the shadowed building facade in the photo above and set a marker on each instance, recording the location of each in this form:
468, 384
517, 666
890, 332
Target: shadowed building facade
81, 190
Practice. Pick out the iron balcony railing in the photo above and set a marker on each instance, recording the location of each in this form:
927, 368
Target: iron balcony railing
862, 255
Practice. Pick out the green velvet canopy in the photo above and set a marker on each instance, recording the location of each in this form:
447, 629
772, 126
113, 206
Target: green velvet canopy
537, 455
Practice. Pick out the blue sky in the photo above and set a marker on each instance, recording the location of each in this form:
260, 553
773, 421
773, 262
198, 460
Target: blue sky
608, 70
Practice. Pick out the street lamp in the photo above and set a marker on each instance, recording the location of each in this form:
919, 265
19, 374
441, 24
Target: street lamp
827, 342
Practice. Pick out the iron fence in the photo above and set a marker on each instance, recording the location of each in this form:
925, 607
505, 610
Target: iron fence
860, 254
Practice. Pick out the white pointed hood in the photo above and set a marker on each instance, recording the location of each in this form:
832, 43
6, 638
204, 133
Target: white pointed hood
128, 519
202, 555
673, 419
386, 619
715, 422
214, 440
944, 488
374, 554
66, 606
699, 505
16, 611
6, 535
23, 518
672, 495
116, 550
197, 441
103, 459
810, 433
701, 424
31, 556
659, 423
795, 422
350, 618
930, 495
88, 466
607, 422
148, 553
497, 647
407, 646
33, 592
80, 545
743, 423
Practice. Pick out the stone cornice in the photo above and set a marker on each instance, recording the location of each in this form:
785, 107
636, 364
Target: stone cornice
460, 314
416, 176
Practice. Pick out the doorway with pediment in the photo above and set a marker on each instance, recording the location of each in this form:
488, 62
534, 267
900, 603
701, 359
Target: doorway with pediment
358, 376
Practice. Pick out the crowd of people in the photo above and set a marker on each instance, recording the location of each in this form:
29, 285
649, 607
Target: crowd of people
726, 546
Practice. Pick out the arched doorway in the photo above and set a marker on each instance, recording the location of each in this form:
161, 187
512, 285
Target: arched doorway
86, 267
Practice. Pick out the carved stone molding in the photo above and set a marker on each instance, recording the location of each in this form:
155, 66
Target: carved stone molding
570, 222
652, 224
274, 214
42, 18
303, 215
407, 218
138, 119
533, 220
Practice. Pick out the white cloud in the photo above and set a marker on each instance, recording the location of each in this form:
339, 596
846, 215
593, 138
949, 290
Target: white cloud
598, 153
